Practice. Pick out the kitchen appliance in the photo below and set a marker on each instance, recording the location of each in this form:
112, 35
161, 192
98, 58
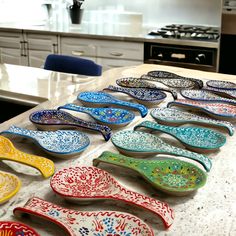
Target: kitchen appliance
188, 46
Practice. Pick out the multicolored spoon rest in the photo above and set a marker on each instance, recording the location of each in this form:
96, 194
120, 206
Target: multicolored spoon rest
172, 176
9, 152
76, 223
221, 84
54, 120
9, 185
101, 98
60, 143
195, 138
173, 116
137, 143
106, 115
90, 183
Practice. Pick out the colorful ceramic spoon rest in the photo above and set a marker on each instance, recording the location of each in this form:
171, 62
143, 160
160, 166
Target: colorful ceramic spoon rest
221, 84
105, 115
141, 95
10, 153
9, 185
204, 95
54, 120
90, 183
172, 176
170, 75
222, 92
215, 109
195, 138
101, 99
11, 228
131, 82
85, 223
60, 143
173, 116
137, 143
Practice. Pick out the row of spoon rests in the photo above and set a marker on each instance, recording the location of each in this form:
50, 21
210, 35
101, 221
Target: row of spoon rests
144, 96
10, 153
90, 183
113, 117
54, 120
97, 99
170, 75
9, 185
205, 95
60, 143
131, 82
222, 92
173, 116
195, 138
74, 222
217, 110
141, 144
220, 84
172, 176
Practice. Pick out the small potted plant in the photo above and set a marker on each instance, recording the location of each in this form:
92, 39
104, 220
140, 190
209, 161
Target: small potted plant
76, 11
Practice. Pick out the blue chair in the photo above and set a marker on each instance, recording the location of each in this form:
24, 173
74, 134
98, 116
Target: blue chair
73, 65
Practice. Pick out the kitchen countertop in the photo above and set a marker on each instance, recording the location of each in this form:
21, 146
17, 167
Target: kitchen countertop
209, 211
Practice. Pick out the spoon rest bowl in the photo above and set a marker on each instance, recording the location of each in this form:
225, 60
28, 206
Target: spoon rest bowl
195, 138
91, 183
177, 117
215, 109
222, 92
76, 223
54, 120
172, 176
137, 143
113, 117
9, 185
11, 228
144, 96
100, 98
60, 143
9, 152
220, 84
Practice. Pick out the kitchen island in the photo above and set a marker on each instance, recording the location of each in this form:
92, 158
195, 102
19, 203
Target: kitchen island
209, 211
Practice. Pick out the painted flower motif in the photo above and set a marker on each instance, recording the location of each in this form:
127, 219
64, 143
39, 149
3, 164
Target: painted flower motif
53, 213
84, 231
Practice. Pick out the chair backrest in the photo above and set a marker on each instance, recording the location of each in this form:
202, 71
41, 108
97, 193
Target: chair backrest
71, 64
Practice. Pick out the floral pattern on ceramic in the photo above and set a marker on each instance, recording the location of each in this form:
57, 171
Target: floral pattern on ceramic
173, 176
91, 183
222, 92
204, 95
9, 152
196, 137
218, 109
11, 228
9, 185
175, 116
131, 82
105, 115
86, 223
137, 143
101, 98
54, 120
220, 84
58, 143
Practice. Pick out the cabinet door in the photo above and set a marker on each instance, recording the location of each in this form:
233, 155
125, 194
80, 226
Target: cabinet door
12, 56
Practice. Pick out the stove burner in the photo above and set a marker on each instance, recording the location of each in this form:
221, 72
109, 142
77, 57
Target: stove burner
187, 32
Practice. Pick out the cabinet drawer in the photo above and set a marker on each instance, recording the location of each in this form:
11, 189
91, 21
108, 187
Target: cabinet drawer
10, 40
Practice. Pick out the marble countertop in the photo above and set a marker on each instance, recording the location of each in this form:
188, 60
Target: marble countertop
209, 211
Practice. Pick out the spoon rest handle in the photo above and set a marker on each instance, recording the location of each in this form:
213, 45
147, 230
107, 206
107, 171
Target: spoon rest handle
20, 131
118, 89
73, 107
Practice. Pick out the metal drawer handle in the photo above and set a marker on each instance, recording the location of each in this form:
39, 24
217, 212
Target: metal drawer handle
116, 54
77, 53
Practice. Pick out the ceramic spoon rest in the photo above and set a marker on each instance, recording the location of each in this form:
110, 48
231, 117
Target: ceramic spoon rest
114, 117
222, 92
90, 183
103, 99
220, 84
195, 138
10, 153
85, 223
60, 143
54, 120
173, 116
137, 143
9, 185
172, 176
